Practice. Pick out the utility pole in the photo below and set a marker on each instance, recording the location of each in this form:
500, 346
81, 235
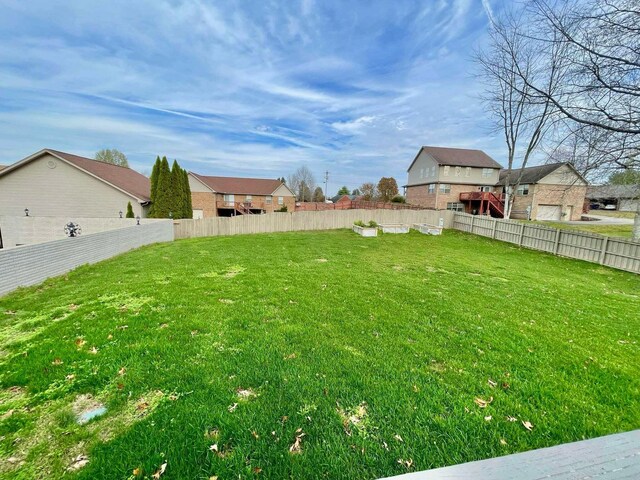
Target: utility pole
326, 181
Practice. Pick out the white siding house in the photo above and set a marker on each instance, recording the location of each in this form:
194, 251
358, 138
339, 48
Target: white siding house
54, 184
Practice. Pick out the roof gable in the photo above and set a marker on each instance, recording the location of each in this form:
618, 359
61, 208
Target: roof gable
238, 185
531, 175
458, 157
124, 179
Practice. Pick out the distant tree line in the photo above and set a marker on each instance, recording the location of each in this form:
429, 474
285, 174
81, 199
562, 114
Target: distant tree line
170, 192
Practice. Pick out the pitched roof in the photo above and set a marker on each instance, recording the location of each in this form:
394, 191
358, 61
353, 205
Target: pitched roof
353, 198
2, 167
122, 178
613, 191
537, 173
238, 185
458, 157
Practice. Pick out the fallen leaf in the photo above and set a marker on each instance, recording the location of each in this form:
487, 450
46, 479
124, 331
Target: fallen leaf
296, 447
482, 403
505, 386
214, 447
70, 377
122, 327
78, 462
194, 333
160, 471
73, 307
122, 371
257, 470
255, 434
492, 384
57, 361
164, 325
512, 419
488, 418
109, 337
406, 463
213, 477
232, 408
136, 472
503, 441
289, 357
527, 425
93, 350
398, 438
80, 342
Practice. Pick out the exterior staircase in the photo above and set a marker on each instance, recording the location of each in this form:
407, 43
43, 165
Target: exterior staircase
490, 202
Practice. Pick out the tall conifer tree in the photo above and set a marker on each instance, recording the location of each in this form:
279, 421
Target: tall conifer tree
154, 186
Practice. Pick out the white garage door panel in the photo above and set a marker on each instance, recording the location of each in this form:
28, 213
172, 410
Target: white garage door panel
549, 212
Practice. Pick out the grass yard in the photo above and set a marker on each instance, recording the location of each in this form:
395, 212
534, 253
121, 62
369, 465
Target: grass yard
313, 355
624, 231
613, 213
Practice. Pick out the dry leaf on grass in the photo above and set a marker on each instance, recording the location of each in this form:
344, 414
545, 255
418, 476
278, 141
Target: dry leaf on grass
80, 342
160, 471
78, 462
232, 408
214, 448
503, 441
136, 472
527, 425
511, 419
57, 361
93, 350
398, 438
491, 383
482, 403
488, 418
406, 463
257, 470
122, 371
296, 447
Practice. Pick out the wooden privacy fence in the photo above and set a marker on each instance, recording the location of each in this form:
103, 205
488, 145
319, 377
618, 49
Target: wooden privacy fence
610, 251
297, 221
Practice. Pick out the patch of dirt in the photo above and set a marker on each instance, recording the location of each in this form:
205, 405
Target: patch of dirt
83, 405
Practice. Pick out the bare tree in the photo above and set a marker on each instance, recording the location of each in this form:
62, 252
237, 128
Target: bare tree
519, 112
302, 183
600, 91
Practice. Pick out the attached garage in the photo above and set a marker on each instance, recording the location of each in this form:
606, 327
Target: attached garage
549, 212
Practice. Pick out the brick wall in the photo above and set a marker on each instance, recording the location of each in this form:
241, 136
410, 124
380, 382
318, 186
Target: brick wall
205, 201
567, 196
419, 195
32, 264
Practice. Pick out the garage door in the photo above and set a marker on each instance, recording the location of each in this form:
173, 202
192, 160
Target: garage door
549, 212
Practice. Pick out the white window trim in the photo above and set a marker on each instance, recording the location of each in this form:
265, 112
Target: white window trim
280, 200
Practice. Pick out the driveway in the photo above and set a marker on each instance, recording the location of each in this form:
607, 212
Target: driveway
604, 220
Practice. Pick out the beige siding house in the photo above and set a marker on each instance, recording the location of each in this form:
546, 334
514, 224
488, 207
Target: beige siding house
230, 196
50, 183
440, 177
548, 192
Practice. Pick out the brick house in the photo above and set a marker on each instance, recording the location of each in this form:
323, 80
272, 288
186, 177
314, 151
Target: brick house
440, 177
555, 191
230, 196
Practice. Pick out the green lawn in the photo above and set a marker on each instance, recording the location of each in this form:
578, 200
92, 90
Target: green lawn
613, 213
624, 231
313, 355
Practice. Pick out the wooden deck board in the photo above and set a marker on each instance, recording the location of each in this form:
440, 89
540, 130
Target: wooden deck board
613, 457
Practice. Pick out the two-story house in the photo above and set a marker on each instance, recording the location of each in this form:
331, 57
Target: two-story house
454, 179
230, 196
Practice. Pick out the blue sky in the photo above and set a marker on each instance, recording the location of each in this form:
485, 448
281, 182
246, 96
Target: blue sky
247, 88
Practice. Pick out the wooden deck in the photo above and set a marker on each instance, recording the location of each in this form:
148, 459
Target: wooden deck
614, 457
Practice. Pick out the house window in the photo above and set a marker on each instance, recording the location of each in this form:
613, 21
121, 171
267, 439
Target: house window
523, 189
467, 171
487, 172
446, 170
455, 206
422, 173
280, 200
458, 171
432, 188
268, 199
486, 189
248, 198
229, 199
433, 170
445, 188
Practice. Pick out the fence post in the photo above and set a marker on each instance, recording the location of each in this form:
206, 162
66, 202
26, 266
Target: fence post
493, 228
603, 250
522, 225
473, 220
556, 242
